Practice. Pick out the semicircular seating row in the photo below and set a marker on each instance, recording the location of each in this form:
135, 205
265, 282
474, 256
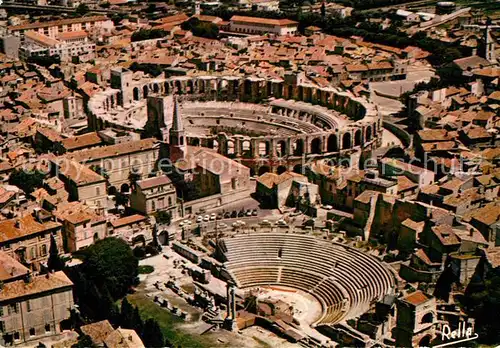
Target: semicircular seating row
344, 280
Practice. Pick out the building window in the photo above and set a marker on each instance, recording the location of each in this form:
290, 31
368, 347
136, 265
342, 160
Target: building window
14, 308
32, 331
2, 326
47, 328
32, 253
28, 306
153, 205
44, 250
98, 191
16, 336
169, 201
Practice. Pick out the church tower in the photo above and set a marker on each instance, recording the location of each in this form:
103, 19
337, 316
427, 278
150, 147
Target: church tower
177, 138
486, 45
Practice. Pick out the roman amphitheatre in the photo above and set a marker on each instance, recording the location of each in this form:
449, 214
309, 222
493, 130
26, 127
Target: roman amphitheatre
298, 281
269, 125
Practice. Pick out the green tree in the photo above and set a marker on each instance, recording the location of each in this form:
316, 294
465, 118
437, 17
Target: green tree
152, 335
121, 199
137, 321
134, 178
55, 262
111, 263
27, 181
482, 302
127, 315
163, 217
148, 34
82, 9
84, 341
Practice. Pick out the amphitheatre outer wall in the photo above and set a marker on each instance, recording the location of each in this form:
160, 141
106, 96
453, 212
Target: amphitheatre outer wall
341, 125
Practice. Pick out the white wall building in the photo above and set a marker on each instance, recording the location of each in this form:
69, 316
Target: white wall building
255, 25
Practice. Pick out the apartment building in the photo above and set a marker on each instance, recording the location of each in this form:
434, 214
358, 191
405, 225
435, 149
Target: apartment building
34, 307
154, 194
256, 25
27, 238
53, 29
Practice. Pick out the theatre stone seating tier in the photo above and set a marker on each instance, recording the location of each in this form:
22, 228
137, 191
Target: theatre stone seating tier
344, 280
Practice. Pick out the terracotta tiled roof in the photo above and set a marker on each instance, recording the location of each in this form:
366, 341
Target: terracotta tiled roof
154, 182
123, 338
98, 331
37, 25
112, 150
38, 284
78, 173
27, 225
128, 220
81, 141
267, 21
416, 298
10, 268
271, 179
70, 35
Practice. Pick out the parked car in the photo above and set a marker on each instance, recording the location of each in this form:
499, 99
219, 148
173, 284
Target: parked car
248, 213
199, 219
234, 214
220, 216
213, 216
241, 213
327, 207
227, 215
281, 222
254, 212
206, 218
265, 223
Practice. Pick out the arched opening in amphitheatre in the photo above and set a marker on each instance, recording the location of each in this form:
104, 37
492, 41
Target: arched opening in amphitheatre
136, 93
246, 148
112, 190
290, 92
269, 88
332, 143
346, 141
247, 87
301, 93
195, 142
156, 88
201, 86
281, 169
357, 138
166, 87
281, 148
264, 149
316, 146
215, 145
368, 134
298, 147
190, 87
178, 87
230, 148
145, 91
